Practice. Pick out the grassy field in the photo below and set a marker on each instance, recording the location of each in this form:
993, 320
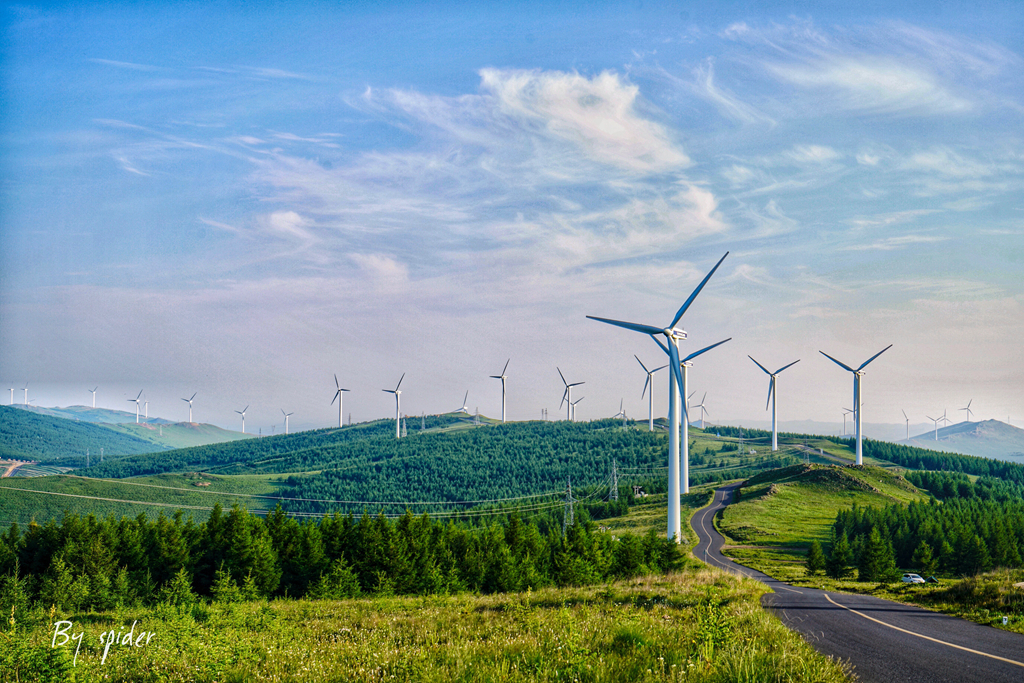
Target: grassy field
178, 434
694, 625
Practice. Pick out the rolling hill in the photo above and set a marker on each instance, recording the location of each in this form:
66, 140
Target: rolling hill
26, 435
87, 414
985, 439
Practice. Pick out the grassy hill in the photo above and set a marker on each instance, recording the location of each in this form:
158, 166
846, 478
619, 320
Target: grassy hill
179, 434
88, 414
26, 435
985, 439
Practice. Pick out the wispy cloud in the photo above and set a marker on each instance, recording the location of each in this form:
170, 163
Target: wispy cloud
890, 243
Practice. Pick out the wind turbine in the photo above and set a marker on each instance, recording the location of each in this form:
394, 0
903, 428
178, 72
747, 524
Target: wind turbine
26, 394
573, 405
464, 408
189, 402
908, 422
92, 390
286, 416
567, 394
703, 410
12, 396
621, 413
398, 406
944, 418
846, 411
857, 374
242, 413
136, 400
147, 409
771, 398
339, 398
936, 420
677, 384
502, 378
650, 399
968, 409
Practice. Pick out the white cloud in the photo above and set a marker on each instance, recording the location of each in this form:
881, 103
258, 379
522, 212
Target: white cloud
812, 154
890, 243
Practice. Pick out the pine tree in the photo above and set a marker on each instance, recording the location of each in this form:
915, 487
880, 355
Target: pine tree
923, 560
815, 558
839, 559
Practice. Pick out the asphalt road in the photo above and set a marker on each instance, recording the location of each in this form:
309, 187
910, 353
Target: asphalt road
883, 640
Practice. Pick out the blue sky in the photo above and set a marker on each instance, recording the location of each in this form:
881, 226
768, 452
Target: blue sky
242, 200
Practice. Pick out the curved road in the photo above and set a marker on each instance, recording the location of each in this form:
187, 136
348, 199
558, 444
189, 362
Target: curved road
885, 641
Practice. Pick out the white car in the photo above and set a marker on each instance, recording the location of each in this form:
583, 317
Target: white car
912, 578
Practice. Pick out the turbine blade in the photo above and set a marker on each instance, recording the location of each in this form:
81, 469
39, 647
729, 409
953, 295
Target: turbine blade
771, 388
656, 369
576, 384
136, 398
673, 354
706, 348
336, 395
506, 366
693, 296
640, 362
662, 345
842, 365
646, 382
904, 414
864, 364
702, 399
787, 366
636, 327
561, 375
400, 381
758, 364
336, 381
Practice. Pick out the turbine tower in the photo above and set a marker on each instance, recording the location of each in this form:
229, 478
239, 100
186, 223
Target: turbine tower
968, 409
650, 399
189, 402
26, 394
136, 400
573, 405
857, 374
908, 422
771, 398
12, 396
677, 384
398, 406
502, 378
567, 395
92, 390
339, 397
242, 413
286, 416
936, 420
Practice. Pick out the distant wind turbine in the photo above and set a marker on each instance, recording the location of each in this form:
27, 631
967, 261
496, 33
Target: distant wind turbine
968, 409
573, 405
26, 394
398, 406
846, 411
857, 374
464, 408
12, 396
650, 399
502, 377
189, 402
944, 418
703, 409
621, 413
136, 400
92, 390
147, 409
242, 413
339, 397
676, 408
567, 395
936, 420
286, 416
908, 422
771, 398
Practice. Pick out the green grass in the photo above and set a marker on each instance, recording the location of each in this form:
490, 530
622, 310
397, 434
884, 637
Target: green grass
179, 434
695, 625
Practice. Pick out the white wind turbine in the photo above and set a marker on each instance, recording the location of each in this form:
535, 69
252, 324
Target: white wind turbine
771, 398
398, 406
92, 390
968, 409
650, 399
12, 396
846, 411
146, 403
857, 374
26, 394
567, 395
242, 413
703, 409
621, 413
944, 418
136, 400
573, 406
286, 416
464, 408
936, 420
189, 402
677, 384
502, 377
908, 422
338, 396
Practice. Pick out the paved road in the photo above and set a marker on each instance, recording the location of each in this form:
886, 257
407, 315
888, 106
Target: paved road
885, 641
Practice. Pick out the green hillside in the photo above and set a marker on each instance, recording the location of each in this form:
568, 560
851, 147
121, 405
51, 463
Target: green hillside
88, 414
25, 435
179, 434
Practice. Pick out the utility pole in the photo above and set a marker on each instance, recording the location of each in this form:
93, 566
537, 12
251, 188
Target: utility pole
86, 457
568, 519
404, 432
614, 495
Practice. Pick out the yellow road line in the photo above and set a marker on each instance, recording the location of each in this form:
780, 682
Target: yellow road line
919, 635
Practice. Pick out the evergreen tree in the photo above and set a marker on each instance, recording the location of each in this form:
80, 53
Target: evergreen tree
923, 560
840, 556
815, 558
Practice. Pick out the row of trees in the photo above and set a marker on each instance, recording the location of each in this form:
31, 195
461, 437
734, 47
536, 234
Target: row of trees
85, 562
975, 528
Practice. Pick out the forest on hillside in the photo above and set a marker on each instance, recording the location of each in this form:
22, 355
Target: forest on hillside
25, 435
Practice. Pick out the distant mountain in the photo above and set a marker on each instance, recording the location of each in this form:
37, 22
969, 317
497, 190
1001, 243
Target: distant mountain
986, 439
87, 414
880, 431
179, 434
27, 435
